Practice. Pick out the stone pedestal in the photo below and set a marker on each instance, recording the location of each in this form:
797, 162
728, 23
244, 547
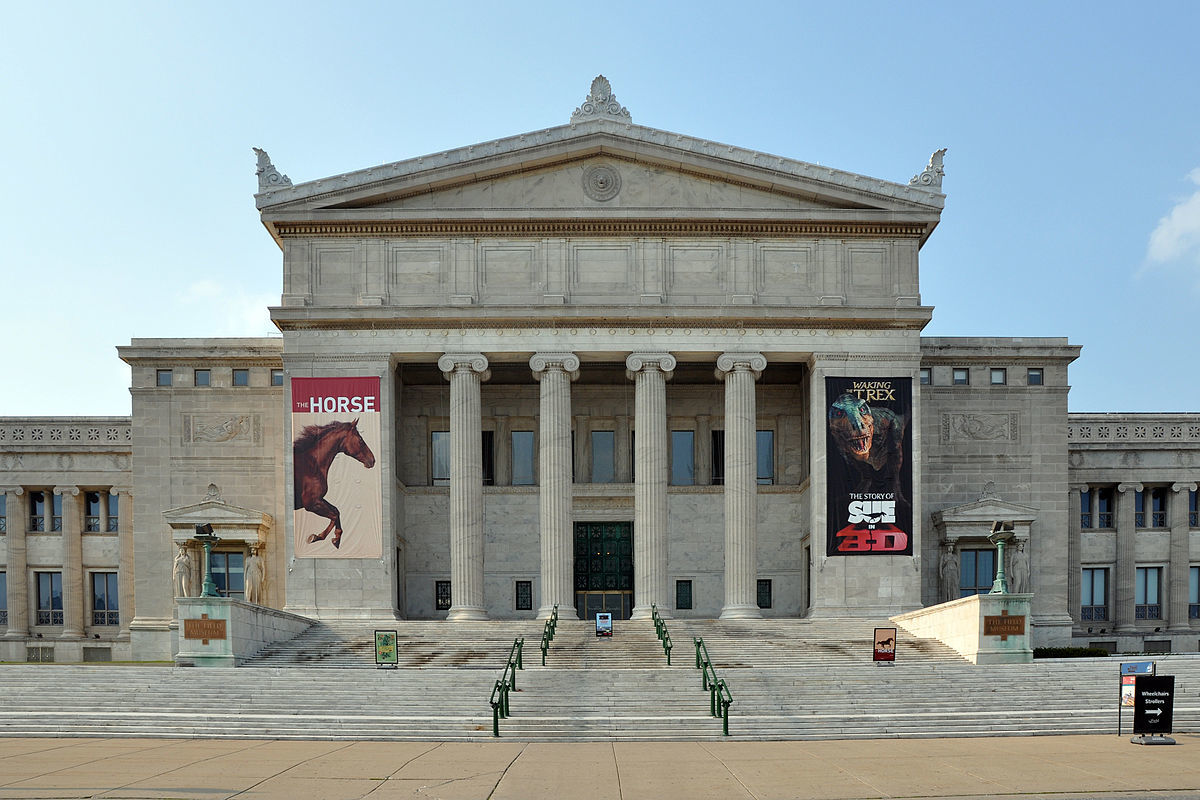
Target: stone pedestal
555, 371
651, 372
740, 371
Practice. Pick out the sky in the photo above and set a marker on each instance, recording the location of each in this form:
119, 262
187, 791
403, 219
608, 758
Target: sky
127, 177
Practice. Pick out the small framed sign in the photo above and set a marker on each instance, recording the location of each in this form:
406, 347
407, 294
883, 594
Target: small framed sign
603, 624
386, 654
885, 644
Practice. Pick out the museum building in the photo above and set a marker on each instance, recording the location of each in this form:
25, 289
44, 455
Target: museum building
602, 367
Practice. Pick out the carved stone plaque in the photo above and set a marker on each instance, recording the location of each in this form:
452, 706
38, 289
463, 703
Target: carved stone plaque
1003, 625
204, 629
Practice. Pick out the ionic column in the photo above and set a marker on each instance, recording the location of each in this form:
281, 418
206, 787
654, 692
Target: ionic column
16, 519
651, 372
466, 371
555, 371
1177, 569
72, 563
1074, 548
1126, 567
740, 371
125, 548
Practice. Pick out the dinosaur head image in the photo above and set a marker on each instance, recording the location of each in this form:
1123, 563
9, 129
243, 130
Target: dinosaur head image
852, 426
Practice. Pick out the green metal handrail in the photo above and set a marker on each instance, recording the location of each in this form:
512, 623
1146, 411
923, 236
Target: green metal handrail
548, 632
719, 697
660, 629
505, 684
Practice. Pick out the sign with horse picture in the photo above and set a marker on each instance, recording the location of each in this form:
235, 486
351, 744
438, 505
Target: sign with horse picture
338, 500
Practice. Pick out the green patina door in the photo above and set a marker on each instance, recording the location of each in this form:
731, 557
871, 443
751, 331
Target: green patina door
604, 569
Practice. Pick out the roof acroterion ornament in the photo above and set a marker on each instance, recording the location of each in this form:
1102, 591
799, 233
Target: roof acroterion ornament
268, 176
931, 178
601, 103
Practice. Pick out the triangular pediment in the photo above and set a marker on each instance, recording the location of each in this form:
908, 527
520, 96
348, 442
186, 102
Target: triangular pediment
989, 510
229, 522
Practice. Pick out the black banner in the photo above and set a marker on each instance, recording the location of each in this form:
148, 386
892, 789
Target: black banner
1153, 704
868, 444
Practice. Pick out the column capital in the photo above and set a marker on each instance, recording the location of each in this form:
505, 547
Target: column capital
73, 491
732, 362
17, 490
636, 362
1183, 487
1126, 487
450, 363
125, 490
1078, 487
567, 362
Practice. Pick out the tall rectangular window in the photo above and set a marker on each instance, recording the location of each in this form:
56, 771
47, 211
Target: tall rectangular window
765, 600
37, 511
764, 442
439, 457
162, 377
241, 377
683, 595
522, 458
487, 440
1085, 509
49, 598
1139, 509
229, 573
1093, 595
105, 599
202, 377
604, 460
441, 595
1158, 507
91, 512
976, 572
1193, 511
112, 513
1147, 602
1193, 593
1104, 508
3, 513
718, 458
3, 598
683, 458
524, 596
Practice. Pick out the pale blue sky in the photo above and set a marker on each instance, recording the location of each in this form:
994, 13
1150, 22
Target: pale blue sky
127, 174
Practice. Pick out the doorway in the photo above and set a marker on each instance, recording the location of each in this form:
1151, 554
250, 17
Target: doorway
603, 569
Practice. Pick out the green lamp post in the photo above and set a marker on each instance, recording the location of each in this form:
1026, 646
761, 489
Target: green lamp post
1002, 533
207, 539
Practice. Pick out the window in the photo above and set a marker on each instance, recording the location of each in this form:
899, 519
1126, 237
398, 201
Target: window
1158, 507
487, 440
202, 377
764, 593
1093, 595
241, 377
962, 376
976, 572
229, 573
37, 511
683, 460
764, 442
926, 376
1104, 507
604, 462
99, 512
49, 598
3, 514
105, 608
718, 458
113, 513
3, 598
999, 376
683, 595
1147, 604
91, 512
522, 458
1193, 592
439, 446
1139, 510
441, 595
524, 596
277, 377
162, 377
1193, 511
1033, 376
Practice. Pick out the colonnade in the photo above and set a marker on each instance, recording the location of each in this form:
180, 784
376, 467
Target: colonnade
650, 372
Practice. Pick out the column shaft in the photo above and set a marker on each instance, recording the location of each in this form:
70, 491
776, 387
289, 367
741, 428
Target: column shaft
125, 548
1074, 549
741, 484
17, 566
650, 481
1126, 567
555, 371
1176, 606
72, 563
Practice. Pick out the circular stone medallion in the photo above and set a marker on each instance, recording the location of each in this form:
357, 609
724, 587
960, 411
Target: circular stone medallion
601, 182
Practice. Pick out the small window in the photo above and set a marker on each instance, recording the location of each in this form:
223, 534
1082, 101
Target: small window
683, 458
683, 595
202, 377
241, 377
926, 376
522, 458
524, 596
1034, 376
764, 594
439, 446
441, 595
105, 599
277, 377
999, 376
229, 573
162, 377
604, 463
976, 572
962, 376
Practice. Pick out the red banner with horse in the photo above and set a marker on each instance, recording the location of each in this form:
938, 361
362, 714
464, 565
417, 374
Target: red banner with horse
338, 494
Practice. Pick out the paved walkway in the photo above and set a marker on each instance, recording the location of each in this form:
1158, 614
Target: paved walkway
1059, 766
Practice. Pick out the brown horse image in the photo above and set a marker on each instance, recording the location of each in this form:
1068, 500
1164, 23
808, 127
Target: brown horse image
313, 452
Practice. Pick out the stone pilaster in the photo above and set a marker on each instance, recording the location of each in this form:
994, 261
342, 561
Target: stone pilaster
555, 371
1177, 569
72, 562
1074, 549
704, 454
740, 371
17, 565
1124, 582
503, 451
466, 371
125, 547
651, 372
582, 469
621, 454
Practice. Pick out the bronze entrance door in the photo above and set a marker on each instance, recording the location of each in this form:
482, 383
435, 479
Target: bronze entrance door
603, 569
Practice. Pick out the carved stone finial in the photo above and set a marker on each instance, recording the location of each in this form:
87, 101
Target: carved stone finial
601, 102
989, 491
931, 178
214, 493
268, 176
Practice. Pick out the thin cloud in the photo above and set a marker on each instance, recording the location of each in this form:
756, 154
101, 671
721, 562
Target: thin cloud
1177, 237
234, 311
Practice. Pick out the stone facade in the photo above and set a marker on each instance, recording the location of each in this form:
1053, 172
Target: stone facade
601, 333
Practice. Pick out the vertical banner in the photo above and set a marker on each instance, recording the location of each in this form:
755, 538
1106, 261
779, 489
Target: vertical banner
338, 497
868, 446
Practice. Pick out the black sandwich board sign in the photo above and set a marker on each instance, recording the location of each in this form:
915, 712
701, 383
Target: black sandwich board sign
1153, 703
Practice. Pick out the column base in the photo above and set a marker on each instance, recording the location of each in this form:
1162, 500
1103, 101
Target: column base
741, 611
466, 614
16, 634
564, 611
71, 635
642, 612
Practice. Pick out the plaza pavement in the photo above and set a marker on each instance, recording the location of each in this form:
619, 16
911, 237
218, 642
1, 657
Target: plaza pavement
1057, 767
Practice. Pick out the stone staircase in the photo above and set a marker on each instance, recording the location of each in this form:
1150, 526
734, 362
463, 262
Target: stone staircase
790, 679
